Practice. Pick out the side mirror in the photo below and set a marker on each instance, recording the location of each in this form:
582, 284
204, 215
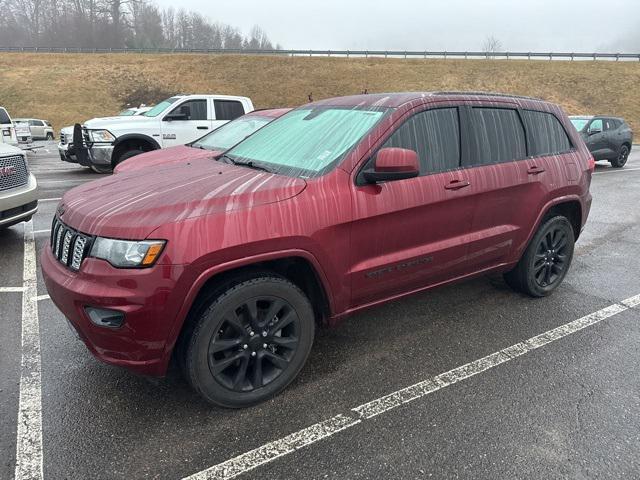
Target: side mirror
593, 131
393, 164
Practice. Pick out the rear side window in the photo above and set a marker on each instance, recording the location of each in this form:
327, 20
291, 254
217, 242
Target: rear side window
228, 109
498, 136
610, 124
546, 134
434, 135
4, 116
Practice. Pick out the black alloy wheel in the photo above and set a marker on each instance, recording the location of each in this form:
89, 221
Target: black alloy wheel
551, 257
622, 158
255, 343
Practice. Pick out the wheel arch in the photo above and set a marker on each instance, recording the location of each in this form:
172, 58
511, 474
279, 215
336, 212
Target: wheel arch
130, 141
299, 267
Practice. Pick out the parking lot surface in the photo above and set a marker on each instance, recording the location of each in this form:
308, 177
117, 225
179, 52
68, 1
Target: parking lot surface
491, 397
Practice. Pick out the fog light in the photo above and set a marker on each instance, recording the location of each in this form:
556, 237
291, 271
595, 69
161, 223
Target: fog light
103, 317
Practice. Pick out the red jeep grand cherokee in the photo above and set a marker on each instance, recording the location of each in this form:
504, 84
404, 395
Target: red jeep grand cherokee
229, 264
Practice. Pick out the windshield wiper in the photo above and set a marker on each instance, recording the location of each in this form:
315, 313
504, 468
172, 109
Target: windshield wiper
248, 163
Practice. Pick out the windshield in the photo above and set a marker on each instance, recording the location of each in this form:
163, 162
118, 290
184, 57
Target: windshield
307, 141
579, 123
231, 133
161, 107
126, 113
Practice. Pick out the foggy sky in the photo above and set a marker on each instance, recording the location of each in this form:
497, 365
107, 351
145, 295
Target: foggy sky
529, 25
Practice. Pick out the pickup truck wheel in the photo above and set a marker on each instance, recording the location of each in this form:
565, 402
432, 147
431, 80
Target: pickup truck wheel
49, 136
546, 260
622, 157
128, 154
250, 342
100, 168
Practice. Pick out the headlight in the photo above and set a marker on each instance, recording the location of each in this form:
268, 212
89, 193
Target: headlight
123, 253
101, 136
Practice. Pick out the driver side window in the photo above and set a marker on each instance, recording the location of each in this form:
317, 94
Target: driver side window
596, 125
191, 110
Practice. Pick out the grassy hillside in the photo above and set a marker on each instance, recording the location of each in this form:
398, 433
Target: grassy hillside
66, 88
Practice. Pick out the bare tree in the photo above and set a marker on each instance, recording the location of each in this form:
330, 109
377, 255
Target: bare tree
491, 46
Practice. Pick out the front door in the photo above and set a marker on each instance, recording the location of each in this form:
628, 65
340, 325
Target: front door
411, 233
186, 122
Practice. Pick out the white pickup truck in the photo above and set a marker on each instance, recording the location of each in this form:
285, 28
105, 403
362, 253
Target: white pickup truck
105, 142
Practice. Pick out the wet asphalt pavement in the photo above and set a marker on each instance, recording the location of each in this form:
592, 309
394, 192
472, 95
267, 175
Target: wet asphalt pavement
569, 409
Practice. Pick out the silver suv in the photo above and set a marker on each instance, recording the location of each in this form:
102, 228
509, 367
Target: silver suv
40, 129
18, 187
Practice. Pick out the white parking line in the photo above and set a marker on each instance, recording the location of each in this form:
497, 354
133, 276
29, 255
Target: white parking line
11, 289
39, 298
271, 451
55, 199
29, 432
38, 232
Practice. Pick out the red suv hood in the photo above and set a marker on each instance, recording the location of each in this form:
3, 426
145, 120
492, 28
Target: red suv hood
132, 205
180, 154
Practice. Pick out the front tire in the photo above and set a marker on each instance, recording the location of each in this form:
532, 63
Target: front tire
622, 157
546, 260
250, 342
100, 168
128, 154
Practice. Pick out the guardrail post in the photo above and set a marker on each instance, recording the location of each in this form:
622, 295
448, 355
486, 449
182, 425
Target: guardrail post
594, 57
466, 55
529, 55
445, 54
572, 56
617, 57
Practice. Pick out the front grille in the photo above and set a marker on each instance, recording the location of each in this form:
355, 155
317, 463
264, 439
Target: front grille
13, 172
69, 246
63, 138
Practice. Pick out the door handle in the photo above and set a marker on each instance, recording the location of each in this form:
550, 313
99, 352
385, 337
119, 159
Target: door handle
202, 128
457, 184
535, 170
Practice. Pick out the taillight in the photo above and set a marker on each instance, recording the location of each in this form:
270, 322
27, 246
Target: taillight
6, 132
592, 164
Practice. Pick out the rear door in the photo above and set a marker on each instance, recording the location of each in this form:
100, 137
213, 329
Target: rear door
411, 233
186, 122
499, 172
225, 111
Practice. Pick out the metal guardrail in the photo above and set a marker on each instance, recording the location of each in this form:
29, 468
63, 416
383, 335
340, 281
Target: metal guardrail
343, 53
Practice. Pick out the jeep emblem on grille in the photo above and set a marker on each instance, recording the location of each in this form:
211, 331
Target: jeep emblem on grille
7, 171
60, 209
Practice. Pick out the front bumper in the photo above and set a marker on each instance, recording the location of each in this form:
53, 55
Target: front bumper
150, 299
19, 203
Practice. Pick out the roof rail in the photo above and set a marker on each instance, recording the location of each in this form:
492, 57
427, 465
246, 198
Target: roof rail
489, 94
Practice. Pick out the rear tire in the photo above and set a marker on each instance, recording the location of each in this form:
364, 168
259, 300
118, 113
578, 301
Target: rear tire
621, 160
49, 136
546, 260
250, 342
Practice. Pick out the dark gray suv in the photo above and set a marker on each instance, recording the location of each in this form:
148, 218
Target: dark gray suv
608, 138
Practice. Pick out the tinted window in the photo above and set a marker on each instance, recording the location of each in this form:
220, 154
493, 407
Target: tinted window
228, 109
545, 133
193, 110
4, 116
498, 135
609, 124
434, 135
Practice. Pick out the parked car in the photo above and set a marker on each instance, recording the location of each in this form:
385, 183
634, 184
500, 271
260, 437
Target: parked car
339, 205
178, 120
608, 138
23, 131
40, 129
209, 146
7, 130
18, 187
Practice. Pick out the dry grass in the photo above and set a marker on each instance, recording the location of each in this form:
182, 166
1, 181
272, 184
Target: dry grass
66, 88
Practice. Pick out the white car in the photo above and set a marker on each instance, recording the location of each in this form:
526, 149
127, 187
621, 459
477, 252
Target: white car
175, 121
18, 187
7, 130
40, 129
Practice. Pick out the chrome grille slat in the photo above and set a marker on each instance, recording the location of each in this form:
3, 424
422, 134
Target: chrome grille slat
19, 175
68, 246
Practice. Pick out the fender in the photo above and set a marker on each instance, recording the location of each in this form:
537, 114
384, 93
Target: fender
234, 264
136, 136
543, 211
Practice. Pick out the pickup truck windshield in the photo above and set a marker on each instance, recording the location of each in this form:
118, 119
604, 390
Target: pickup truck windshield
231, 133
308, 141
161, 107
